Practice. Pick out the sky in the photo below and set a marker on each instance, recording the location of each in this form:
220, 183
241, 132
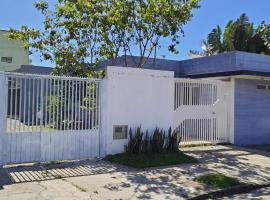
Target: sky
15, 13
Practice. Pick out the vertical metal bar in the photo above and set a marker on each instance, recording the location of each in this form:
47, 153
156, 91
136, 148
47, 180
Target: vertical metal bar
38, 114
177, 94
20, 103
181, 94
71, 117
88, 104
174, 106
184, 131
16, 102
33, 103
184, 93
54, 106
29, 104
68, 105
50, 117
96, 104
192, 93
72, 107
41, 98
65, 104
212, 92
99, 104
99, 116
199, 130
45, 97
61, 103
58, 104
79, 111
92, 105
83, 106
56, 98
203, 96
76, 105
24, 104
11, 103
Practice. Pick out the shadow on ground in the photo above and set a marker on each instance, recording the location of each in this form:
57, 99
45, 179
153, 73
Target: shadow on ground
169, 182
250, 165
245, 164
22, 174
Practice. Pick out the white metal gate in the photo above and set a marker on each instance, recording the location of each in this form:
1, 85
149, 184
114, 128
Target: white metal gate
49, 118
201, 111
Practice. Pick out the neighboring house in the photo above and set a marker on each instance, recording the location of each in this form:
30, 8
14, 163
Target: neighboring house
12, 53
15, 58
249, 74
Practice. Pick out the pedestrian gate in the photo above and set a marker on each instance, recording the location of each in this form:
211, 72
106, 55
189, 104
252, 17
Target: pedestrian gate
201, 111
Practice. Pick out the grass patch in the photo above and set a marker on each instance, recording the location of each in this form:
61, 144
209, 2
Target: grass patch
151, 159
218, 180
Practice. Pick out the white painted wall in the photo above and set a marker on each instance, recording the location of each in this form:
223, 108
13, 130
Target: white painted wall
135, 97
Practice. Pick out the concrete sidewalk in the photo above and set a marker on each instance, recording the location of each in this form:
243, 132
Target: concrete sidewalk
102, 180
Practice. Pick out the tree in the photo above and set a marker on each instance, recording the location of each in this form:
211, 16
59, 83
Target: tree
153, 20
238, 35
70, 35
78, 34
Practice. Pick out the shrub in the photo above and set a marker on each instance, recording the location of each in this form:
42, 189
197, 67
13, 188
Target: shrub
135, 141
158, 142
173, 141
146, 146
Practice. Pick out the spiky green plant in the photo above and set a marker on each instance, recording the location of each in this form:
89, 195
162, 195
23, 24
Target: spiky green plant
135, 141
146, 147
172, 141
157, 140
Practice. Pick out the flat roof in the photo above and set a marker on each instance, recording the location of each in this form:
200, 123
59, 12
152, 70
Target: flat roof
230, 73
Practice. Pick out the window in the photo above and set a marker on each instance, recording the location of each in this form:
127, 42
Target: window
191, 95
6, 59
262, 87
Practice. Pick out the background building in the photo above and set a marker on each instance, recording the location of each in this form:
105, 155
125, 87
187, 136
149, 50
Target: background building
12, 53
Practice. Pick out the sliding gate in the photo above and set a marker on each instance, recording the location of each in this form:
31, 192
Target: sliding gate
47, 118
201, 111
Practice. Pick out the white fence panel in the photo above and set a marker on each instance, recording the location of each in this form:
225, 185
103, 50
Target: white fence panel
69, 145
50, 118
201, 111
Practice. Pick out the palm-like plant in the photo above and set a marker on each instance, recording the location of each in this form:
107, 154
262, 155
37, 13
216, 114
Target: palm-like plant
238, 35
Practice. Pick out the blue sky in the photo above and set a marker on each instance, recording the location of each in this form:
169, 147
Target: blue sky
15, 13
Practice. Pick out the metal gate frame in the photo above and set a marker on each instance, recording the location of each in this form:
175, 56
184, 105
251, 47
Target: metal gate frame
201, 111
28, 138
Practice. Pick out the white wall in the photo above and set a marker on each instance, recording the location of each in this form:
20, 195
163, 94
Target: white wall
134, 97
